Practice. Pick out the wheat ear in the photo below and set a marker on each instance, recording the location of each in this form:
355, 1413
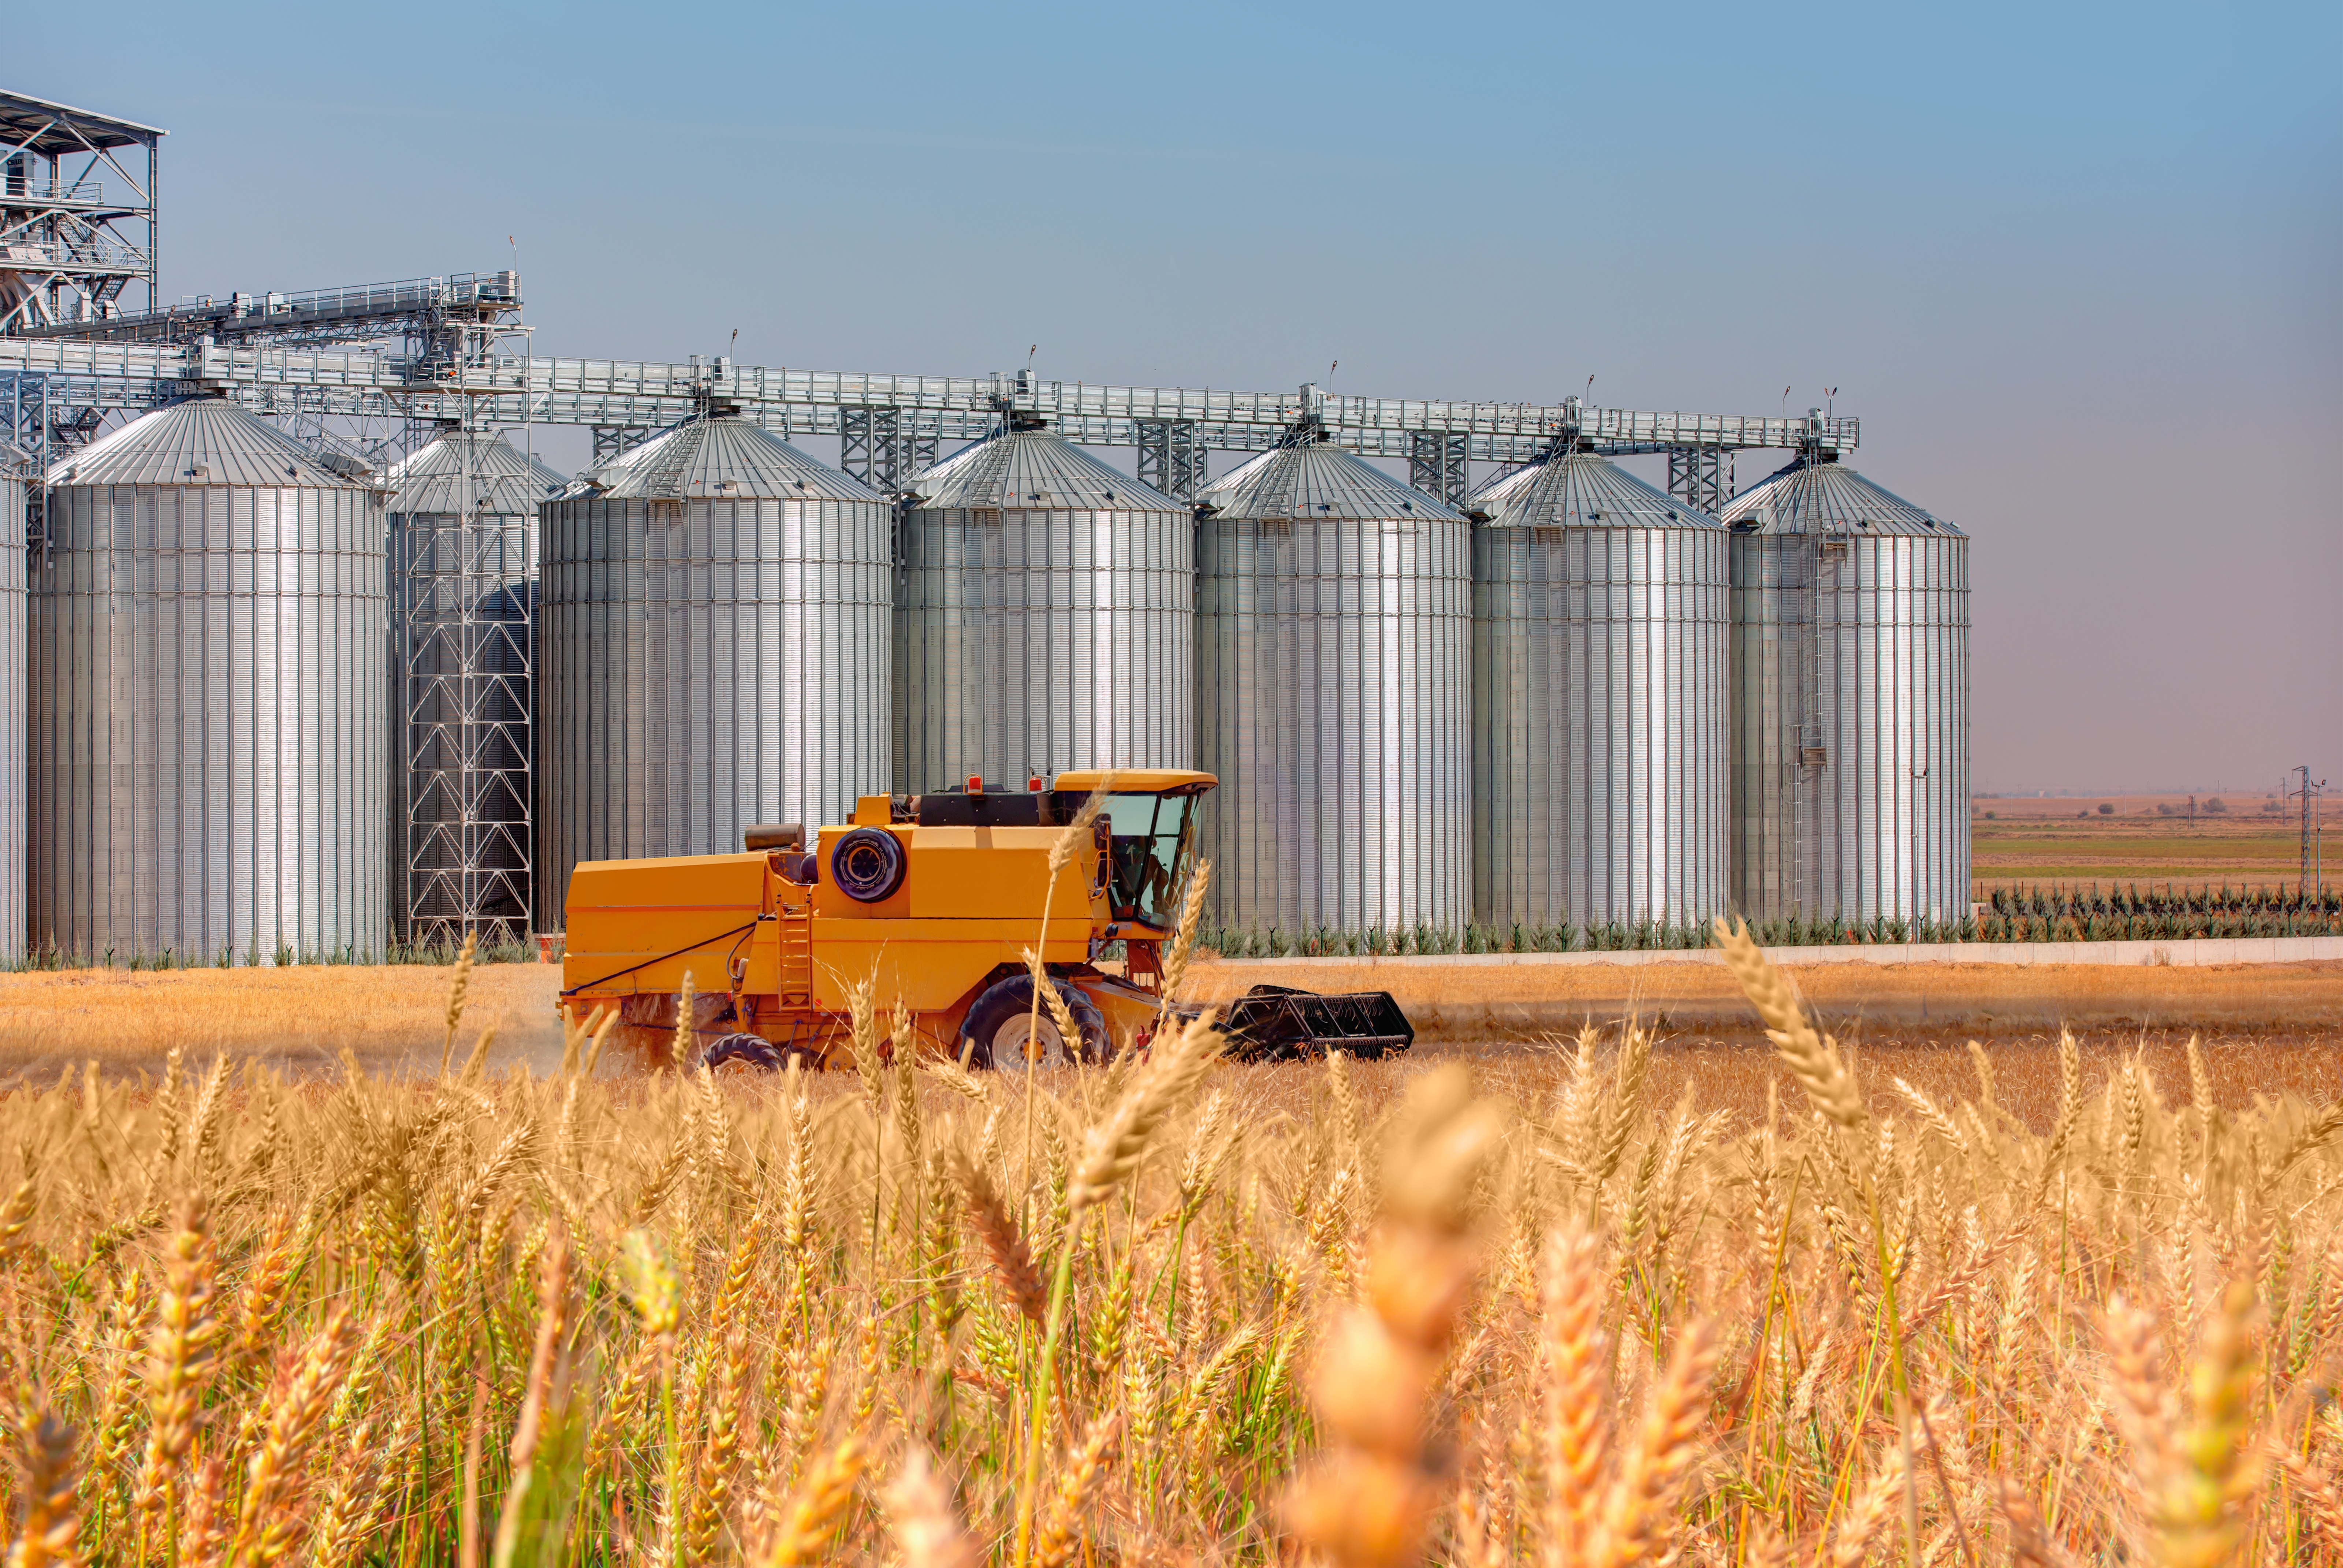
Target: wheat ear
1812, 1059
919, 1509
818, 1507
1638, 1515
51, 1536
457, 987
1060, 1531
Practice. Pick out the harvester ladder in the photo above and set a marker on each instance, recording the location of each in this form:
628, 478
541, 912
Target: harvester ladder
794, 934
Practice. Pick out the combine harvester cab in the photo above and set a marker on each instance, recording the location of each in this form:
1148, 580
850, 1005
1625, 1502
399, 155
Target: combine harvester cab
932, 902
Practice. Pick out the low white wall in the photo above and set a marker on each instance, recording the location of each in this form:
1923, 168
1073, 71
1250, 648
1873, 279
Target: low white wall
2192, 954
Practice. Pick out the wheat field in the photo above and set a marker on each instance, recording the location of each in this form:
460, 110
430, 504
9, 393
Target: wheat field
1176, 1311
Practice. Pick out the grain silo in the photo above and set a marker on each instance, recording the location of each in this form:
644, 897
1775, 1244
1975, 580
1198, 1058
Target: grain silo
463, 561
711, 650
12, 702
1850, 671
1333, 631
1046, 618
208, 724
1601, 647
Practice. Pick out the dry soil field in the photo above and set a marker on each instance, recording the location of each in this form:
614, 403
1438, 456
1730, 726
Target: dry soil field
2264, 1027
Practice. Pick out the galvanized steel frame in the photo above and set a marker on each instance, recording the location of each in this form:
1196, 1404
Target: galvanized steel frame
463, 831
614, 394
88, 255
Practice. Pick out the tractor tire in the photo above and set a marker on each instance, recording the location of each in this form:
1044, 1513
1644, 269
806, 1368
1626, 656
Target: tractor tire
750, 1051
995, 1032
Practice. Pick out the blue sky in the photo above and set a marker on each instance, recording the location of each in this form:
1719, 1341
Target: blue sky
2077, 268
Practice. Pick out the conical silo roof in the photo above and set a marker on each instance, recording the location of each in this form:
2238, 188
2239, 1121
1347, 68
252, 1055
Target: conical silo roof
504, 480
204, 441
1580, 490
1027, 468
1315, 479
719, 457
1827, 497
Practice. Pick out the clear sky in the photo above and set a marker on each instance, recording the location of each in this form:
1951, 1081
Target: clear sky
2079, 269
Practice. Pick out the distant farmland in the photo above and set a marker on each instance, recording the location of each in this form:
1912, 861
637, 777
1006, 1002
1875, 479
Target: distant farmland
2067, 841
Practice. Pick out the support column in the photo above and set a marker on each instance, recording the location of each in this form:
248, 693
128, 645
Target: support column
1173, 458
1438, 465
883, 448
1701, 478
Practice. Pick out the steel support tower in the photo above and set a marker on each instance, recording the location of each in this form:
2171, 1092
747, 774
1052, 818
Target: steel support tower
465, 657
77, 214
1173, 456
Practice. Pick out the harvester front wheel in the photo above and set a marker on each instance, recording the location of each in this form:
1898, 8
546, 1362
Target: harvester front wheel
753, 1050
1002, 1032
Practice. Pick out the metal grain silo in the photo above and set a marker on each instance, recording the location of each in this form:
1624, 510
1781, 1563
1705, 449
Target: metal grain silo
12, 702
1601, 647
463, 560
209, 726
711, 650
1046, 618
1333, 631
1850, 670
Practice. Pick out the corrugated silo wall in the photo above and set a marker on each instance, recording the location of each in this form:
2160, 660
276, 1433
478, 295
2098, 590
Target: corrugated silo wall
1851, 833
1600, 663
1334, 704
703, 665
13, 761
1039, 639
208, 734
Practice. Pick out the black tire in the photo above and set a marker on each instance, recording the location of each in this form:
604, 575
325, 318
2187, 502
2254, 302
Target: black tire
868, 865
749, 1049
998, 1018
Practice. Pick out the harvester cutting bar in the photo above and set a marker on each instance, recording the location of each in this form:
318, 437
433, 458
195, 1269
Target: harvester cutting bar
1274, 1020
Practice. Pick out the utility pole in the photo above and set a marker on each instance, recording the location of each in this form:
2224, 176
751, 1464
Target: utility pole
2308, 791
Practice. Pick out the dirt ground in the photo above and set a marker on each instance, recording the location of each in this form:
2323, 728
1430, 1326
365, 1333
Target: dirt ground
300, 1019
1468, 1003
2265, 1027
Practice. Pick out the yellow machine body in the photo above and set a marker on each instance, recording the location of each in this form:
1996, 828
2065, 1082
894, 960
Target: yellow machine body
771, 941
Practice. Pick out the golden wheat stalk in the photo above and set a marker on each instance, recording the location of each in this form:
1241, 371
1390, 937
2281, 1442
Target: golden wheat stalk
268, 1524
180, 1356
1111, 1153
1078, 1484
1062, 1016
815, 1512
926, 1528
1576, 1362
990, 1218
458, 986
50, 1533
1812, 1059
1183, 937
1637, 1518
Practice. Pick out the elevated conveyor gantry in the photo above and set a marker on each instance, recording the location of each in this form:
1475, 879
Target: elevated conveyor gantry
890, 424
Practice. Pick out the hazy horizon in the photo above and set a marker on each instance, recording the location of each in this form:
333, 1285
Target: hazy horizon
2076, 271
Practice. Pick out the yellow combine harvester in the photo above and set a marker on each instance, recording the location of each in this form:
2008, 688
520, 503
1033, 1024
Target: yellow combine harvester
936, 898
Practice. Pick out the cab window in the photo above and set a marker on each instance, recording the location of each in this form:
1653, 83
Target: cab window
1151, 842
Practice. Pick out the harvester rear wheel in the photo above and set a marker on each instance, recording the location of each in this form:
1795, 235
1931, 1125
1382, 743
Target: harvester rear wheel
1001, 1031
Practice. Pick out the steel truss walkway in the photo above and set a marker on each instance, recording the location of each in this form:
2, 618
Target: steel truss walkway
890, 424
